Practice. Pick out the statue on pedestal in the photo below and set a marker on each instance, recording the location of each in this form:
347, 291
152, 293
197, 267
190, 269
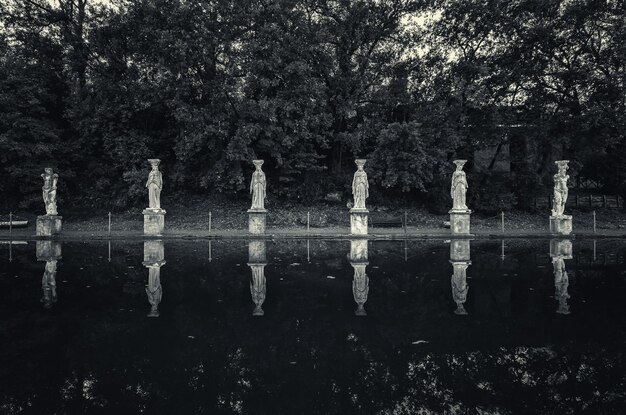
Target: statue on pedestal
560, 189
49, 191
258, 186
154, 185
360, 186
458, 189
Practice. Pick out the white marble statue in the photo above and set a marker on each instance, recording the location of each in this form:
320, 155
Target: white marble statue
154, 289
561, 283
49, 285
459, 287
49, 191
360, 186
560, 189
154, 185
458, 189
258, 186
258, 288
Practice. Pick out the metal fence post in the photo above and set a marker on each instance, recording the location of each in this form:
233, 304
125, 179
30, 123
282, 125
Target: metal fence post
594, 221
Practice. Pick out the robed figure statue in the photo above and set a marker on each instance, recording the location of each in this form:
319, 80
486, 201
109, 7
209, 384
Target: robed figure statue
458, 189
360, 187
154, 185
258, 186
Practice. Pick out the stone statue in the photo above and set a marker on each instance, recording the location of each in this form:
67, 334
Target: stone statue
258, 186
49, 285
561, 283
459, 287
258, 288
154, 185
560, 189
49, 189
459, 186
154, 290
360, 187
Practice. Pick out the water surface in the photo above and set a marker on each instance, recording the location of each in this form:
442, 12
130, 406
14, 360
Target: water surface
329, 327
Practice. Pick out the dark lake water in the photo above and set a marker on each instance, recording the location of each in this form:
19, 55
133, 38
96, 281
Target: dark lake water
328, 327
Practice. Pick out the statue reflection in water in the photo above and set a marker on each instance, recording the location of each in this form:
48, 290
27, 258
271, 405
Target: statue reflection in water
560, 250
257, 262
360, 283
50, 252
154, 259
460, 260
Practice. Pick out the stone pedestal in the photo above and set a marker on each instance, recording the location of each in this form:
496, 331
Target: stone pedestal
48, 225
460, 221
153, 221
358, 221
561, 225
256, 221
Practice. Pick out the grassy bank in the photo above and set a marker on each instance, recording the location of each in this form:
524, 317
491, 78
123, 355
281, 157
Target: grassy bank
231, 214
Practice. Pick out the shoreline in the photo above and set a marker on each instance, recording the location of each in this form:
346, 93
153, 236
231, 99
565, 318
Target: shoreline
327, 233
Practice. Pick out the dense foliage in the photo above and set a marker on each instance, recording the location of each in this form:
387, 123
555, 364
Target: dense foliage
95, 88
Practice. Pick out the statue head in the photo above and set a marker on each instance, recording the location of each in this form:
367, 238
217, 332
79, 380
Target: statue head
257, 164
360, 163
48, 171
562, 165
154, 163
459, 164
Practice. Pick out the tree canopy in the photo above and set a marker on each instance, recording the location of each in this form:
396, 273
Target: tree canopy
94, 89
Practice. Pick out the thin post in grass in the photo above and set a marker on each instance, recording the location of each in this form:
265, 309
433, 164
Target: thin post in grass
210, 220
109, 250
210, 252
109, 224
308, 221
308, 252
594, 221
502, 221
502, 249
406, 215
10, 224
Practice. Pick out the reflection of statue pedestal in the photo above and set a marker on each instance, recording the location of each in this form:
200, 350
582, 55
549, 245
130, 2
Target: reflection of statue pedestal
460, 260
48, 250
561, 225
256, 221
48, 225
460, 221
154, 259
358, 221
561, 248
153, 221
